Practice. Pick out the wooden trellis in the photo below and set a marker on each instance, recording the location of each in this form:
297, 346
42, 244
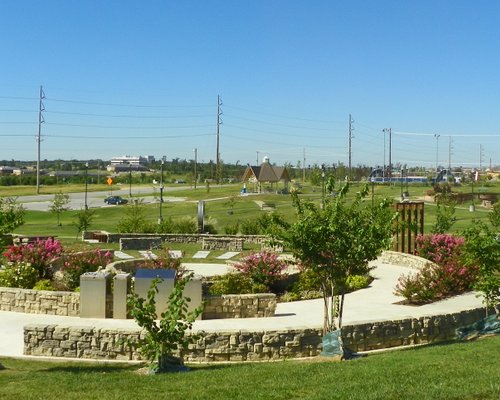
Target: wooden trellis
410, 223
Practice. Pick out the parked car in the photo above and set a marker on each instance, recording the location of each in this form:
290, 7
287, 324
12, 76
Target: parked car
115, 200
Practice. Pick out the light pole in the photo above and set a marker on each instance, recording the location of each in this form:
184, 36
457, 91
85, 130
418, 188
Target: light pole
86, 183
160, 220
195, 166
436, 135
390, 150
323, 185
129, 179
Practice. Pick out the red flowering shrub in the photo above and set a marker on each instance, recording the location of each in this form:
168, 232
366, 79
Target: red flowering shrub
40, 255
446, 277
263, 268
75, 264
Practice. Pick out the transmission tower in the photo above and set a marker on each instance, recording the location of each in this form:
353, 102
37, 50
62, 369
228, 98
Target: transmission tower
41, 109
218, 170
351, 128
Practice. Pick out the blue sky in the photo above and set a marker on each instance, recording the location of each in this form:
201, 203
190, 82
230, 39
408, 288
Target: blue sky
142, 78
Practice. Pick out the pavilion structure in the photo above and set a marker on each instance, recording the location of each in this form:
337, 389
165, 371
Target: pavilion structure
266, 177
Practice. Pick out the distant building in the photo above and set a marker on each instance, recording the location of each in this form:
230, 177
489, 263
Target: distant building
127, 163
6, 170
266, 174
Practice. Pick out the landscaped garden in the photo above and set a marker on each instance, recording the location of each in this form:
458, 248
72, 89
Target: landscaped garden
332, 239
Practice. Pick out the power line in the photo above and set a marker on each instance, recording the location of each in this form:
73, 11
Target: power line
126, 105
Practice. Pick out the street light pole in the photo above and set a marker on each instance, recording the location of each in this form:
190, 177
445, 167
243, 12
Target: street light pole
195, 166
161, 190
129, 179
86, 183
323, 185
436, 135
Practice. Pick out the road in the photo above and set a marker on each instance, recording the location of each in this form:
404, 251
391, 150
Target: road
43, 202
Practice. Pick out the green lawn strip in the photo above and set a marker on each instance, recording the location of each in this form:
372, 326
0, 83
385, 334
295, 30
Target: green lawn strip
225, 207
453, 371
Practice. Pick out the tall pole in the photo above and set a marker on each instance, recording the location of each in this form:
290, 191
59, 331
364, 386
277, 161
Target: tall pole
436, 135
130, 179
195, 166
383, 171
257, 162
388, 130
450, 148
217, 156
390, 152
350, 145
86, 183
303, 164
160, 220
41, 108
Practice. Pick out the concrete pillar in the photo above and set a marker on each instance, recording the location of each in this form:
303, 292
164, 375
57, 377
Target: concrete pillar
121, 288
193, 290
94, 286
143, 279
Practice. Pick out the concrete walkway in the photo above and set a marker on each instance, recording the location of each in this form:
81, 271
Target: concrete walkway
376, 303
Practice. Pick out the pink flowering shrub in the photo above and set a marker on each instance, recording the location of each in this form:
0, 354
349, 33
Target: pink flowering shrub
264, 268
439, 248
444, 277
75, 264
40, 255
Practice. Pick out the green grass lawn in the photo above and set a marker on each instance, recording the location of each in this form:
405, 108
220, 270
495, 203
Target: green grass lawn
467, 370
224, 206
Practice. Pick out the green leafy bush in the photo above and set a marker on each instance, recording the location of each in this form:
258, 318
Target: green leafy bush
44, 284
231, 283
232, 229
186, 225
482, 250
20, 274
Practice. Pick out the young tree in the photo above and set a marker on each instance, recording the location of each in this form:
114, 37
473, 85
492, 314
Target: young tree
59, 204
337, 241
165, 337
11, 215
83, 220
482, 248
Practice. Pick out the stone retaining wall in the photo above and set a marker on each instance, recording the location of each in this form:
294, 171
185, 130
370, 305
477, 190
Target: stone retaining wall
173, 237
408, 260
222, 243
40, 301
68, 304
240, 306
95, 343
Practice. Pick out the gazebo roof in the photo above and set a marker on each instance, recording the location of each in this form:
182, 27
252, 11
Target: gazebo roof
266, 173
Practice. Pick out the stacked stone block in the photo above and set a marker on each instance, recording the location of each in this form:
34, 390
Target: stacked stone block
85, 342
40, 301
240, 306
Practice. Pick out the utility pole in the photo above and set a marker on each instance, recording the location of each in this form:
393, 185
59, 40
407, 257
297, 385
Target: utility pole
257, 163
450, 148
350, 145
195, 166
436, 135
389, 130
304, 164
218, 171
41, 108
